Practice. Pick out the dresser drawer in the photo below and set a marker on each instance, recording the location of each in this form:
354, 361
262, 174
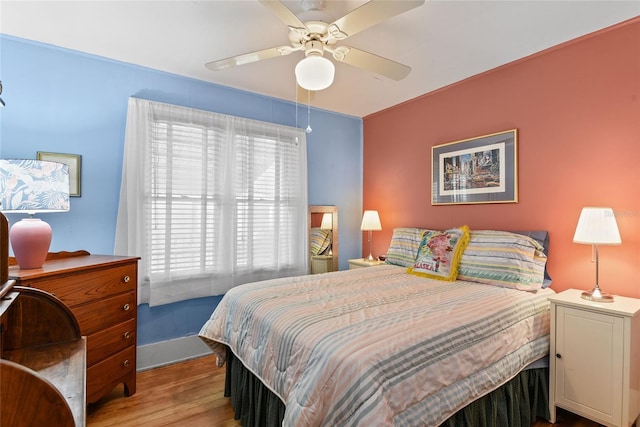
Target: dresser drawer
110, 341
104, 376
105, 313
78, 288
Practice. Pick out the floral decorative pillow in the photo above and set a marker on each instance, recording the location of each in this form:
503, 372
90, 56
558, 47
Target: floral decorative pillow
439, 253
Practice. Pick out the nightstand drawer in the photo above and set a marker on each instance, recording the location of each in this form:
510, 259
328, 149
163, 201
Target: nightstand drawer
82, 287
105, 313
110, 341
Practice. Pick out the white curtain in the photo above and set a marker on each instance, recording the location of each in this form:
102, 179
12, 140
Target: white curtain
210, 201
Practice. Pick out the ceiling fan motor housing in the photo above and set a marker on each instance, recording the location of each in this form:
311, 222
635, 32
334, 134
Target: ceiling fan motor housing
314, 47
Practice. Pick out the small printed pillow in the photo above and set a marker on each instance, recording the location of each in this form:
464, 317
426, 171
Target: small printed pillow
439, 253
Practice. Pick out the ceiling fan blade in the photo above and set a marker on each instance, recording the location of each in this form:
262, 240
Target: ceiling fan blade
285, 15
377, 64
368, 15
248, 58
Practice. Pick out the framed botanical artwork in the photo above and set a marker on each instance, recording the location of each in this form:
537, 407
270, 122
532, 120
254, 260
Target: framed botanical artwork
483, 169
74, 161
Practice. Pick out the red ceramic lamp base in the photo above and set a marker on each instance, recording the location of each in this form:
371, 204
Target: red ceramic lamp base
30, 240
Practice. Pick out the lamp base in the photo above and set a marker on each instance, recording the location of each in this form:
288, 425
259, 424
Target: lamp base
30, 240
597, 295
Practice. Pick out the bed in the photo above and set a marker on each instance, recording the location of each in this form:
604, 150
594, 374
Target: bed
390, 345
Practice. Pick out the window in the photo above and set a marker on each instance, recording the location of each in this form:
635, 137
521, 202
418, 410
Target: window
212, 201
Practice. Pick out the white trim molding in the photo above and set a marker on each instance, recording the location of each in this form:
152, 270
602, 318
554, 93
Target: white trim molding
167, 352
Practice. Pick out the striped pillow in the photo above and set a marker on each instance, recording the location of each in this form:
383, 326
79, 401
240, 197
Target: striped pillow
404, 246
542, 237
319, 240
502, 258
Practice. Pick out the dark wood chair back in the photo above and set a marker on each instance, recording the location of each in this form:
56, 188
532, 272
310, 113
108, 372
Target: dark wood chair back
4, 249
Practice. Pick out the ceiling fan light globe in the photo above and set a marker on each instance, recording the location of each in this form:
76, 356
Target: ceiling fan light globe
315, 73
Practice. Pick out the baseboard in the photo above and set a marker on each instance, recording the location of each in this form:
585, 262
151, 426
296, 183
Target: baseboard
171, 351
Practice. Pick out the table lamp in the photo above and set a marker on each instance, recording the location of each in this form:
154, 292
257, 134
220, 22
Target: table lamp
370, 222
597, 226
30, 187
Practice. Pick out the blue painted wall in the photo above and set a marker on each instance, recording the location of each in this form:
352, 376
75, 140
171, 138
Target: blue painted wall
65, 101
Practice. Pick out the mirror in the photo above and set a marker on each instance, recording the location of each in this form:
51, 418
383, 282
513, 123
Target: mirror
323, 239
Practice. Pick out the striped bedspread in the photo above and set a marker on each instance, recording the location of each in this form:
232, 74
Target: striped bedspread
377, 346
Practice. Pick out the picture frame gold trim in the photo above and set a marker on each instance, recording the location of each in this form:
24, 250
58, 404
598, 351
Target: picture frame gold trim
74, 161
482, 169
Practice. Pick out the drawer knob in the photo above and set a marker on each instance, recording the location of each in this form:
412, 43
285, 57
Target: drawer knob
126, 307
558, 355
126, 363
127, 335
126, 279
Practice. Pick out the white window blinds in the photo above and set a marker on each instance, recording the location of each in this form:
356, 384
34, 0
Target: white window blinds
210, 201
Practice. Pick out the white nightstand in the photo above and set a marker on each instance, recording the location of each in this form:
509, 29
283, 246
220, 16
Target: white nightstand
595, 358
321, 264
361, 263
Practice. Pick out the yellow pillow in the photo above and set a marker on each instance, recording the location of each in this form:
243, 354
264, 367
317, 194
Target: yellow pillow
440, 252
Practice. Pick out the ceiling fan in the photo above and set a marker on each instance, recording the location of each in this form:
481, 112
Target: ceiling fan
314, 38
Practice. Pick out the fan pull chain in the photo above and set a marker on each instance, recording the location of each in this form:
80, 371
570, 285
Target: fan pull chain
295, 92
309, 130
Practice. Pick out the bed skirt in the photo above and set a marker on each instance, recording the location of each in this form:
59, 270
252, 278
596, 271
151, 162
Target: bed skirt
516, 404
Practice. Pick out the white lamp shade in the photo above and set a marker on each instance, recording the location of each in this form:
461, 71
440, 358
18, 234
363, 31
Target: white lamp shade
597, 226
327, 222
315, 72
371, 221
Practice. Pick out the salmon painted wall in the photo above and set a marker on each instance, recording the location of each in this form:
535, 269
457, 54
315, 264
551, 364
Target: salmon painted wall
577, 110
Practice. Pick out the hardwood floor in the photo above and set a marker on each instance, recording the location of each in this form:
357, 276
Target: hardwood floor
191, 394
566, 419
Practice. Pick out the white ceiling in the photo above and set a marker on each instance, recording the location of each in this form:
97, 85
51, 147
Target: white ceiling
443, 41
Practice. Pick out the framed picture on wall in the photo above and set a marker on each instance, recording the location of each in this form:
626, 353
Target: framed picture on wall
482, 169
74, 161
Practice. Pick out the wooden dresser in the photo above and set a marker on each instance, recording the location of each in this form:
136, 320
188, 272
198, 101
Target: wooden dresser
101, 291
